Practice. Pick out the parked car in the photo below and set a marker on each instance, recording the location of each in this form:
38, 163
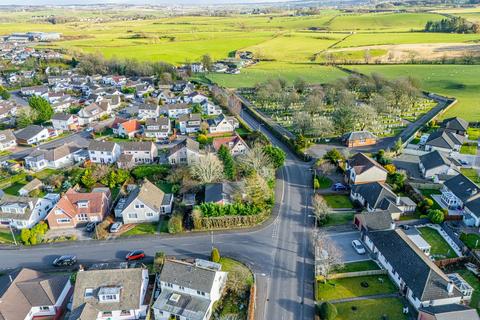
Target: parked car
405, 226
358, 246
464, 162
135, 255
90, 227
116, 227
339, 187
65, 261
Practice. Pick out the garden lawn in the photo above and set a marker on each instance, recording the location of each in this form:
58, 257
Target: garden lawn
358, 266
13, 189
339, 218
469, 148
324, 182
472, 280
440, 248
147, 228
473, 133
350, 287
6, 237
371, 309
338, 201
471, 240
471, 173
45, 173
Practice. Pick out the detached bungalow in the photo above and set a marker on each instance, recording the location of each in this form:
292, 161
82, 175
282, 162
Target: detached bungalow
455, 125
54, 158
7, 140
224, 192
128, 129
235, 144
362, 169
32, 134
64, 122
445, 141
435, 164
359, 139
144, 204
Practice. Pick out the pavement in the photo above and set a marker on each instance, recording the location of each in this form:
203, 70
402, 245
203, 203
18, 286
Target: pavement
279, 252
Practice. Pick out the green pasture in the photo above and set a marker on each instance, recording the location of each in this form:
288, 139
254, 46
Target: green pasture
460, 81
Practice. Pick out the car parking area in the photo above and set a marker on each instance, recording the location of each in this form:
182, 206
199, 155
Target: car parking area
343, 242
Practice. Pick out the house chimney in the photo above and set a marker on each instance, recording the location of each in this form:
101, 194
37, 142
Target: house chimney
397, 201
392, 225
81, 268
10, 277
450, 287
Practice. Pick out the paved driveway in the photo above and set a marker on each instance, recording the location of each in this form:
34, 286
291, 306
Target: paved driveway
343, 242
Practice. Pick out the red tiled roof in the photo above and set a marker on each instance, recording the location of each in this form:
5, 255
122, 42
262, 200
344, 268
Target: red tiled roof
217, 142
131, 126
68, 203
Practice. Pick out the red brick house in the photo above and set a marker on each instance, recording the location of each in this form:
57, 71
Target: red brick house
359, 139
76, 208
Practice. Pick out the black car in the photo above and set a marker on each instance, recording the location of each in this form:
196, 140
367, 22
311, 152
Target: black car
65, 261
90, 226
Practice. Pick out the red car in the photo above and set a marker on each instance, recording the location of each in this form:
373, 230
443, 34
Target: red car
135, 255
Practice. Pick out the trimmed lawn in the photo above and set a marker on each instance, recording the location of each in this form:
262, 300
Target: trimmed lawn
371, 309
339, 218
338, 201
471, 174
358, 266
472, 280
473, 133
45, 173
324, 182
440, 248
350, 287
147, 228
13, 189
471, 240
6, 236
468, 148
164, 186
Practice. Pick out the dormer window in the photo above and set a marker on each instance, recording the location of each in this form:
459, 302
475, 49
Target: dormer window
109, 294
88, 293
82, 204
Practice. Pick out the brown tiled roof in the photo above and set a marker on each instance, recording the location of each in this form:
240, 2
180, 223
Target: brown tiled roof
361, 163
68, 203
131, 126
218, 142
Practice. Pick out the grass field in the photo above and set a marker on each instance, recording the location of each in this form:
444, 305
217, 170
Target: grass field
351, 287
385, 308
440, 248
312, 73
460, 81
358, 266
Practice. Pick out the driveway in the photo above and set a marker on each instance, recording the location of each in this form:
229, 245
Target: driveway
79, 233
343, 242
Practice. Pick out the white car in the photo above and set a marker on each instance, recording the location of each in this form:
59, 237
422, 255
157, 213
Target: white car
116, 227
358, 246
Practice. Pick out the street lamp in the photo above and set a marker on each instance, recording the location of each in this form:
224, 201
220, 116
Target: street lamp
13, 235
316, 218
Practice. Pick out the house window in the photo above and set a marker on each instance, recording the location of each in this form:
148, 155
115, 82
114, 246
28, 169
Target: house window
106, 314
125, 313
132, 215
44, 308
82, 217
181, 288
149, 214
139, 206
63, 220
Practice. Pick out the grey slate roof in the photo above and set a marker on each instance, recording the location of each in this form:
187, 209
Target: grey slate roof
190, 117
188, 143
434, 159
375, 193
106, 146
215, 192
359, 135
130, 280
456, 124
188, 306
61, 116
187, 275
378, 220
444, 139
28, 132
463, 188
136, 146
420, 274
451, 312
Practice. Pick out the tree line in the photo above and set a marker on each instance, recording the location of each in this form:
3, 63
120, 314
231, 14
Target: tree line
455, 24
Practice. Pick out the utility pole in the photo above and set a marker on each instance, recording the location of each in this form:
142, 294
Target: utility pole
211, 234
13, 235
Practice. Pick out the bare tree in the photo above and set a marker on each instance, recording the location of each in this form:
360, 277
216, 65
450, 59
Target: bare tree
327, 255
326, 167
321, 209
302, 123
207, 169
256, 159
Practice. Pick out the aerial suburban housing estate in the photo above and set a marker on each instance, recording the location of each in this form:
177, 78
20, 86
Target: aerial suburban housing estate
239, 160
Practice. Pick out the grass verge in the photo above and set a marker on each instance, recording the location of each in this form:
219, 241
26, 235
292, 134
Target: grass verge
338, 201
